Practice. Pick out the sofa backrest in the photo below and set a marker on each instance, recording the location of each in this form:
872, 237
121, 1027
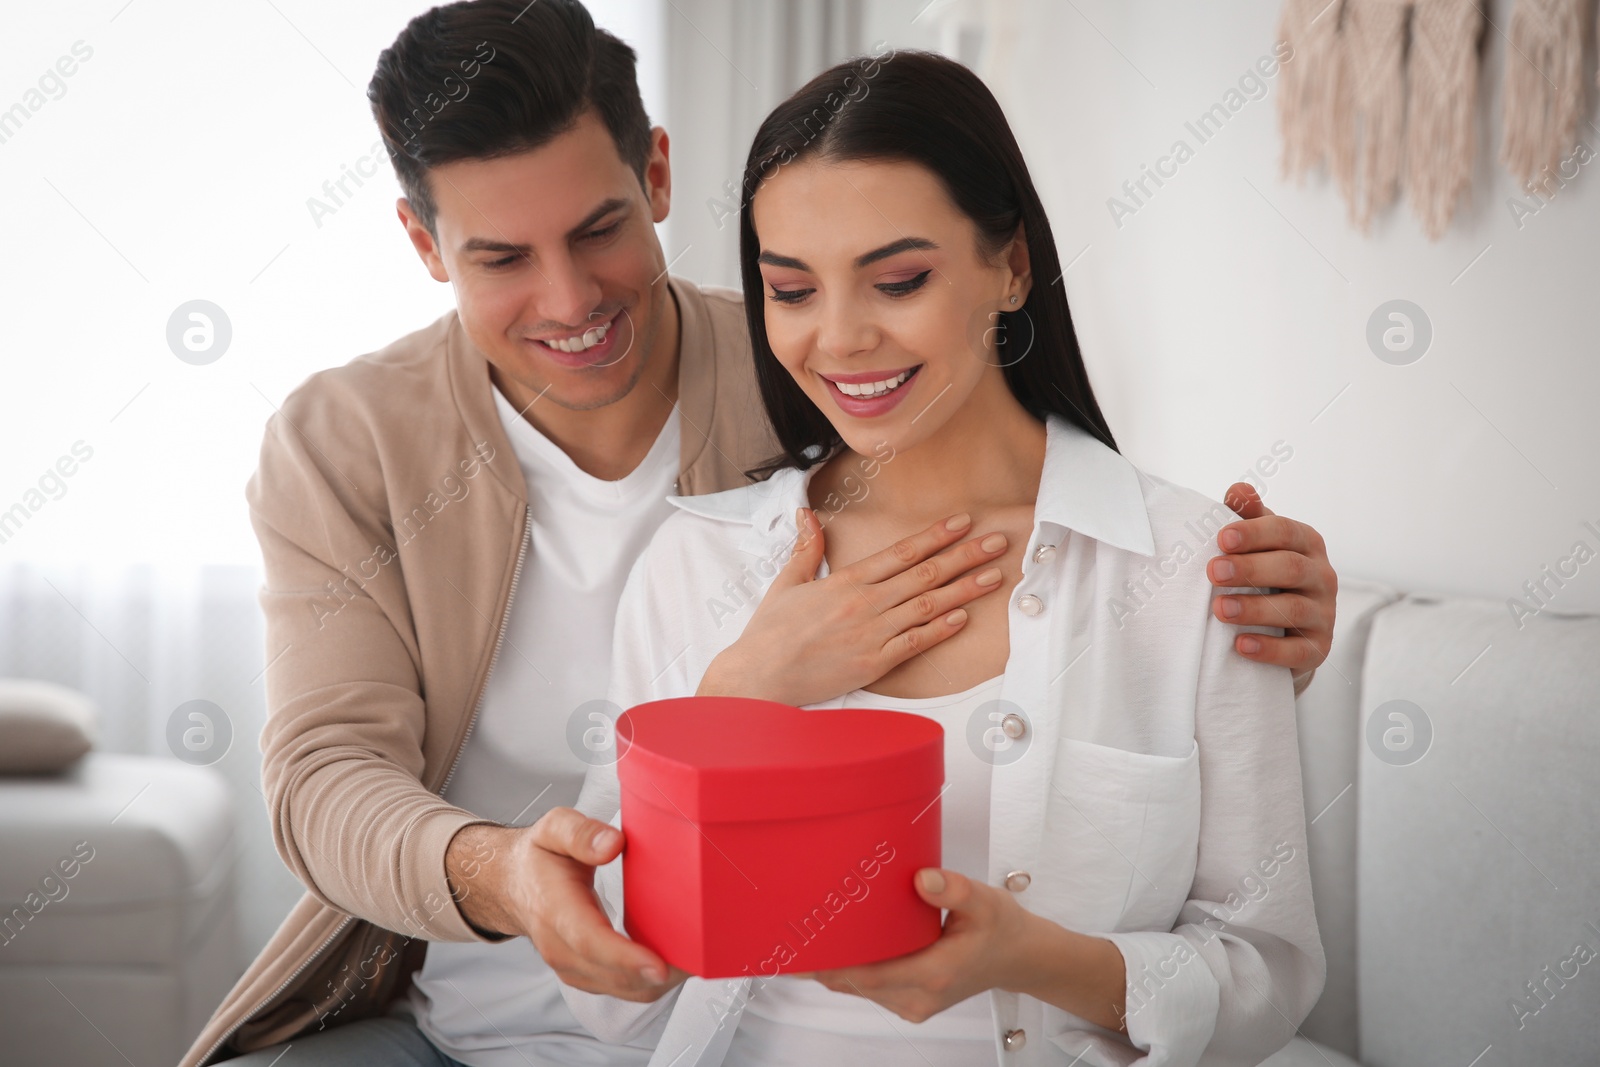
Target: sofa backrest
1328, 712
1478, 864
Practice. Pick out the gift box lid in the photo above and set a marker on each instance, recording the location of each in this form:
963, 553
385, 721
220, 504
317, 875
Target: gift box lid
735, 759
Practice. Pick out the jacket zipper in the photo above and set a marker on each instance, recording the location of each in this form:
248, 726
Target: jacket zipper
500, 640
346, 921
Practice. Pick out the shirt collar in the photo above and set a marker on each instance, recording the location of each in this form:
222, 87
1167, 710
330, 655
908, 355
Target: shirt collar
1091, 488
1086, 487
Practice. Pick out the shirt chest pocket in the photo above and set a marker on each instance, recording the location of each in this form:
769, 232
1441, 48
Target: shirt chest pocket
1121, 838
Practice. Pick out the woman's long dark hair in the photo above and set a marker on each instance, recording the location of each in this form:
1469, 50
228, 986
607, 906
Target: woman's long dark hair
922, 108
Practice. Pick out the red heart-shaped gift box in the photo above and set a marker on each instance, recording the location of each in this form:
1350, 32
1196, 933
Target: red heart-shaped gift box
763, 839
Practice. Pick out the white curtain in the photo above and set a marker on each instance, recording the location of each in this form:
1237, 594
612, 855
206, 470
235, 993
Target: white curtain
730, 62
141, 640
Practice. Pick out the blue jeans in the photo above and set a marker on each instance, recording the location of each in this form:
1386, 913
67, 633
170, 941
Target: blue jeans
385, 1041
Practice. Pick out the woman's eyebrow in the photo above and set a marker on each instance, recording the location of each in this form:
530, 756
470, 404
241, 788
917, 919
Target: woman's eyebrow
866, 259
773, 259
905, 244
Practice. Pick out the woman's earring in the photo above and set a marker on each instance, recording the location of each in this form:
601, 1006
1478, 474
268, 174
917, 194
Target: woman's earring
1013, 298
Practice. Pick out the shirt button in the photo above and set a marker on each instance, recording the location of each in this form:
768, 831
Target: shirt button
1044, 553
1016, 1040
1017, 881
1013, 726
1029, 604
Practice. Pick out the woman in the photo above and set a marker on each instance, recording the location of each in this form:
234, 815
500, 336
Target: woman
1124, 837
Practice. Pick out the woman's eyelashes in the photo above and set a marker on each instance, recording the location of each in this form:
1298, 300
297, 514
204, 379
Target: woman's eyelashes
790, 296
893, 289
910, 285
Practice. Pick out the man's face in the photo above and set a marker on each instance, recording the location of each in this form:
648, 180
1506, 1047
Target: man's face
559, 277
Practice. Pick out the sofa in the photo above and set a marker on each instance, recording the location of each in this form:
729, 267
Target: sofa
119, 933
1454, 852
1451, 758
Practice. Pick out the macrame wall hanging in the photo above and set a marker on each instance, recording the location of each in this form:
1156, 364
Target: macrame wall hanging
1384, 92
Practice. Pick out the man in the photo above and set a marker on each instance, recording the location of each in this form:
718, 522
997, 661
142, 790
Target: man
446, 525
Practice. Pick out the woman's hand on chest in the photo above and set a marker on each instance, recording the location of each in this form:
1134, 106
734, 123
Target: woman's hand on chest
980, 649
812, 639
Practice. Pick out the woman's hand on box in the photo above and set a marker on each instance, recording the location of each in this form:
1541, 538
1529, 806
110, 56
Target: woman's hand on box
538, 881
983, 928
812, 639
991, 941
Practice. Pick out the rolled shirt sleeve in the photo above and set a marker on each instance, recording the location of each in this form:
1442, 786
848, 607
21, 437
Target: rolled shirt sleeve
1243, 965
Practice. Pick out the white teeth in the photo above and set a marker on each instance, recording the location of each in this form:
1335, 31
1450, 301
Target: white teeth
871, 389
583, 342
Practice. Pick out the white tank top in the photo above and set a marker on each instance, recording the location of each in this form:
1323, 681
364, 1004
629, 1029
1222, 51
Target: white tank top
798, 1022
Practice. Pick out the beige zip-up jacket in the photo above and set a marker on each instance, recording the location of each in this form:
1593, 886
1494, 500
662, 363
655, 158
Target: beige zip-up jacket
392, 515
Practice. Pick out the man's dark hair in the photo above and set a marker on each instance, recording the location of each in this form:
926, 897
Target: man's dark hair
483, 79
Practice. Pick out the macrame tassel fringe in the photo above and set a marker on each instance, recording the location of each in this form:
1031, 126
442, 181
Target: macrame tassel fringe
1308, 87
1369, 134
1443, 71
1543, 87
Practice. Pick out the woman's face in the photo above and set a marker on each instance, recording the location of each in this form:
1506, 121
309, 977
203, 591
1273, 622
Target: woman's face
879, 301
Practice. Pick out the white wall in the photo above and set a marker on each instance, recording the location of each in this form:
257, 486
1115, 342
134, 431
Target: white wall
1230, 310
180, 161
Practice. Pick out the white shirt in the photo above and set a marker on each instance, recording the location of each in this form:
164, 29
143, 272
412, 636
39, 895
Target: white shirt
498, 1005
1153, 800
797, 1022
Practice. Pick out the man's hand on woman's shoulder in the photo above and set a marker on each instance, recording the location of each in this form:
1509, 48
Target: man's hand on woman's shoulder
1264, 550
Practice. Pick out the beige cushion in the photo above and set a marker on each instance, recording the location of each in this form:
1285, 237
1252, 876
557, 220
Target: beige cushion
44, 728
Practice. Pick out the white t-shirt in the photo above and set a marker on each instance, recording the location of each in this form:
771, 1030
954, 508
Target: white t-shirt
498, 1005
799, 1022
